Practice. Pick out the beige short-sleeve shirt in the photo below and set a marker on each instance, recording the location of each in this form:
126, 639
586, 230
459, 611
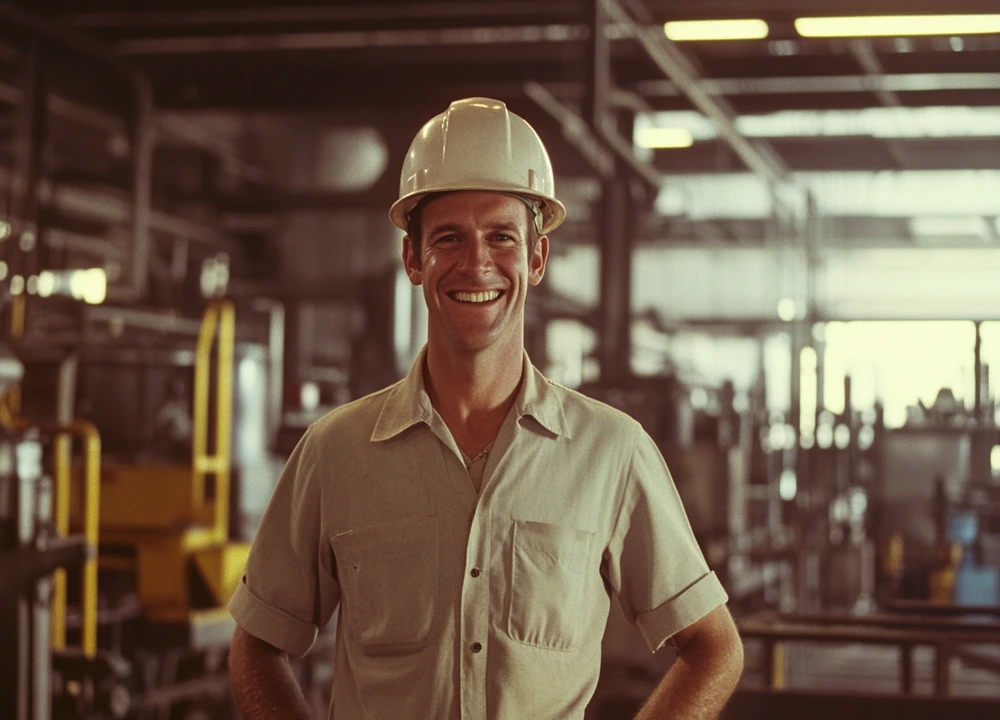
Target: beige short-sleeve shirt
457, 604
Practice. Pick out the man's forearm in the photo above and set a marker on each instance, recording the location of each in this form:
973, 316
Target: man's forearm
704, 675
263, 683
691, 690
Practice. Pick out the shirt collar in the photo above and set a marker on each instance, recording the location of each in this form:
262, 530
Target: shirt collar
408, 402
538, 398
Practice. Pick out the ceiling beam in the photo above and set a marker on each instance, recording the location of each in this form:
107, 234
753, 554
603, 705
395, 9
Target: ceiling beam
598, 148
314, 14
904, 82
758, 156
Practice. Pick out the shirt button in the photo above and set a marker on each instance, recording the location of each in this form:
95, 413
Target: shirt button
476, 647
474, 572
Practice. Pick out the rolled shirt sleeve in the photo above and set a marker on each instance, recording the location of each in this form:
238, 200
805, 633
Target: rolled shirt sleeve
290, 590
654, 563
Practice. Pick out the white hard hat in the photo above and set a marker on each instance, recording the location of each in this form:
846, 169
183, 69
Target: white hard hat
478, 144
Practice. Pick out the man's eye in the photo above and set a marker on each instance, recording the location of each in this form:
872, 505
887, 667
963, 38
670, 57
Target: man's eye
446, 239
504, 238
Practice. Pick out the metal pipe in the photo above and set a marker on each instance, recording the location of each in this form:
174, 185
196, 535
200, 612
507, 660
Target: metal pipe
275, 360
170, 126
62, 467
24, 182
143, 145
142, 133
91, 438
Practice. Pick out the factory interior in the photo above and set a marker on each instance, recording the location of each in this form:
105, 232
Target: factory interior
781, 256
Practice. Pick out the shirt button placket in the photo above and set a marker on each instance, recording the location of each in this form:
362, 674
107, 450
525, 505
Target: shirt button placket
475, 620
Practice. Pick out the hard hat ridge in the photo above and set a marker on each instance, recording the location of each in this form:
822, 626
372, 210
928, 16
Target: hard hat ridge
478, 144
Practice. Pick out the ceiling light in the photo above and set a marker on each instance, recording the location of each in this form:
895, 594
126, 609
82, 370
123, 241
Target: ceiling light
949, 227
878, 122
661, 138
897, 25
686, 30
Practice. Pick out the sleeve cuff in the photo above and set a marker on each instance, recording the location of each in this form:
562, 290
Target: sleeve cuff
660, 624
270, 624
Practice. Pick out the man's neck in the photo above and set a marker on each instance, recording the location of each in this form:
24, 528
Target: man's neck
473, 392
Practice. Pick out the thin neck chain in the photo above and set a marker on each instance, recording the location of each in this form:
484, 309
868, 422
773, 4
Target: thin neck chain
481, 455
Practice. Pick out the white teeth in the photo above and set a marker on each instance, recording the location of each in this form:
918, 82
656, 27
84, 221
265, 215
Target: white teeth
476, 297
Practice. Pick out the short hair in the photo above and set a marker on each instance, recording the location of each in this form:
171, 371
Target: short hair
414, 228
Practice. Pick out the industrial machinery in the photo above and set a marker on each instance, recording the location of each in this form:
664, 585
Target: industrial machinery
33, 544
133, 434
141, 627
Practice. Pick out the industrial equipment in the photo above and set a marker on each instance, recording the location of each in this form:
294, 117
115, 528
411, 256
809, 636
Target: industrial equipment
142, 625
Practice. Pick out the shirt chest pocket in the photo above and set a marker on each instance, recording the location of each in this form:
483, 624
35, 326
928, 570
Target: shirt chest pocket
389, 582
549, 568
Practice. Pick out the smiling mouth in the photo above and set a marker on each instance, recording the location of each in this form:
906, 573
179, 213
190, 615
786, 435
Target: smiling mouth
475, 297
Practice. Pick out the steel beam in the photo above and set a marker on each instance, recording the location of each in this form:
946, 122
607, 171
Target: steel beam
599, 149
864, 53
758, 156
343, 13
904, 82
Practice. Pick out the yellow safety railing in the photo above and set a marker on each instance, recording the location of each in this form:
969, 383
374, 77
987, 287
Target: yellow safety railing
91, 439
219, 319
62, 469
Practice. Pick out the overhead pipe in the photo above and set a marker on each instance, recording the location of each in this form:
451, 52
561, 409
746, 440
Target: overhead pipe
142, 141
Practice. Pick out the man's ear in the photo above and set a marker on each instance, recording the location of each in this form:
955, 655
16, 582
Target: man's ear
536, 263
411, 262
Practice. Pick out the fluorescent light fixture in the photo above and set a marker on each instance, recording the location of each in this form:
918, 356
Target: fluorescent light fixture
949, 227
879, 122
663, 137
688, 30
897, 25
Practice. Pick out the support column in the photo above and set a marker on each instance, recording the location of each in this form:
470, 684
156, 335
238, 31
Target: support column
615, 343
616, 208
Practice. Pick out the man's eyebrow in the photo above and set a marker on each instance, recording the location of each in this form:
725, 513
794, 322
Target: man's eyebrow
434, 230
504, 225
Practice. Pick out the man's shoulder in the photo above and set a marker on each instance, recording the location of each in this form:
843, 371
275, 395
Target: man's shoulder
581, 409
357, 417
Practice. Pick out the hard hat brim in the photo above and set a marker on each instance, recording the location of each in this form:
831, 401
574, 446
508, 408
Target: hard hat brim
553, 212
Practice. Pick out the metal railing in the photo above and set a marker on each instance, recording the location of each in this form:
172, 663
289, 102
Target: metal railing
946, 637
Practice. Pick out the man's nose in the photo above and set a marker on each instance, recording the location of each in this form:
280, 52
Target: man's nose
475, 255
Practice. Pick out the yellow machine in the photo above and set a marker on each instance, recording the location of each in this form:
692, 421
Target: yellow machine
161, 532
165, 520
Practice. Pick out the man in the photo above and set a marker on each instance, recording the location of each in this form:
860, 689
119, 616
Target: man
472, 521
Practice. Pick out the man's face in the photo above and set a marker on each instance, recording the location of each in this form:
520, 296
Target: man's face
475, 269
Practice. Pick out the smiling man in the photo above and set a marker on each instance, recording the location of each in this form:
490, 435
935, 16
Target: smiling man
471, 523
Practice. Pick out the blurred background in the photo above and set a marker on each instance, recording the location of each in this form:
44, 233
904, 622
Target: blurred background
782, 255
